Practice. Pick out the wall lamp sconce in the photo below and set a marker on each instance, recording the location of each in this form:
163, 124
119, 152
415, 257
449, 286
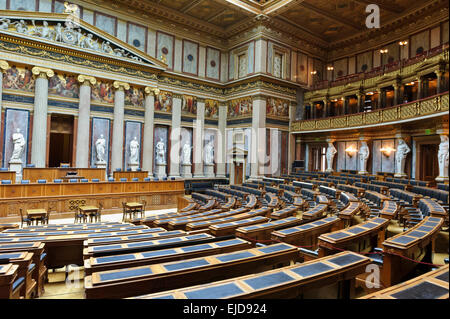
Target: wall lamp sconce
387, 151
351, 150
403, 43
330, 68
383, 51
313, 72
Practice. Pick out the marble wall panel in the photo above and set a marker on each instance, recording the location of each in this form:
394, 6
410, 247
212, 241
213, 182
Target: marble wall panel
15, 119
100, 126
132, 129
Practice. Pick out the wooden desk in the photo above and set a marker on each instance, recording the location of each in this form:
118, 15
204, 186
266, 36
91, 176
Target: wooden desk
130, 175
8, 274
36, 214
88, 211
33, 174
287, 282
8, 175
432, 285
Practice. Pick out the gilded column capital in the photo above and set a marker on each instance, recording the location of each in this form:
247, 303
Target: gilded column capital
42, 72
118, 85
200, 100
179, 96
87, 79
4, 65
151, 90
259, 97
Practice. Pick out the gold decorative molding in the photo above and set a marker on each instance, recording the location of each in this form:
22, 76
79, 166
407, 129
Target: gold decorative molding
42, 72
87, 78
4, 65
118, 85
410, 111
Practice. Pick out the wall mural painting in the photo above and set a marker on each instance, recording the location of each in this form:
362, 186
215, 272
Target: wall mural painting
134, 97
163, 103
18, 78
189, 106
211, 109
277, 107
64, 85
102, 92
15, 135
240, 107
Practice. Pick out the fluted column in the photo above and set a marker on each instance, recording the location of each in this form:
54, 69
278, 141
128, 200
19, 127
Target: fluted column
199, 128
175, 137
3, 66
258, 143
117, 137
221, 145
39, 139
84, 113
147, 149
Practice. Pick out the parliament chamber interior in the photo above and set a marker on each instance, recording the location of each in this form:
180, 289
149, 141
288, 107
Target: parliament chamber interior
224, 149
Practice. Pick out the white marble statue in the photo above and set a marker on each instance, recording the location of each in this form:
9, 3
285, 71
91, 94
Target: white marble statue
160, 152
331, 152
134, 151
4, 24
19, 146
209, 153
443, 159
187, 153
400, 157
363, 153
100, 146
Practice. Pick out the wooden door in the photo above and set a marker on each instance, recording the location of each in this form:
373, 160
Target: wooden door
238, 172
429, 167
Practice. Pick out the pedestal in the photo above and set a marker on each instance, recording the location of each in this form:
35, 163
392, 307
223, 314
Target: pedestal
160, 170
363, 172
102, 165
400, 175
209, 170
17, 167
442, 179
329, 170
133, 166
186, 170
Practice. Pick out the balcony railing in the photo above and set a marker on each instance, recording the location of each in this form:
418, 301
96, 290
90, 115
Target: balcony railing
412, 110
381, 70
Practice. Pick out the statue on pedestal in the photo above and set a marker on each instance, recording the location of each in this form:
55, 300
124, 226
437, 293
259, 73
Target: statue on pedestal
19, 145
400, 157
134, 151
443, 159
363, 153
100, 146
186, 153
209, 153
331, 152
160, 152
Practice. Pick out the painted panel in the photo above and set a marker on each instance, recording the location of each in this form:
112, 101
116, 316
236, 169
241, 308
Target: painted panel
164, 102
270, 57
100, 130
340, 68
132, 131
302, 68
211, 109
24, 5
351, 162
419, 43
435, 37
64, 85
137, 36
18, 78
17, 122
189, 105
340, 156
231, 67
277, 107
213, 63
376, 157
351, 65
240, 107
387, 162
165, 47
251, 58
190, 57
392, 55
102, 92
105, 23
134, 97
364, 62
445, 32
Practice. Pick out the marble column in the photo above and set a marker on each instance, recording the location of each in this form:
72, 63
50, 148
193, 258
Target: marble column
443, 157
84, 112
117, 136
221, 143
39, 139
175, 134
258, 142
3, 67
199, 128
147, 149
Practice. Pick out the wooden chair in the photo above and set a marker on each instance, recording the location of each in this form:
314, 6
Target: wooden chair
79, 216
98, 215
144, 203
44, 219
26, 220
126, 212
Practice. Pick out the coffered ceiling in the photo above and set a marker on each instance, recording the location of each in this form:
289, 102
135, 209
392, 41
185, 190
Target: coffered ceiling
327, 21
